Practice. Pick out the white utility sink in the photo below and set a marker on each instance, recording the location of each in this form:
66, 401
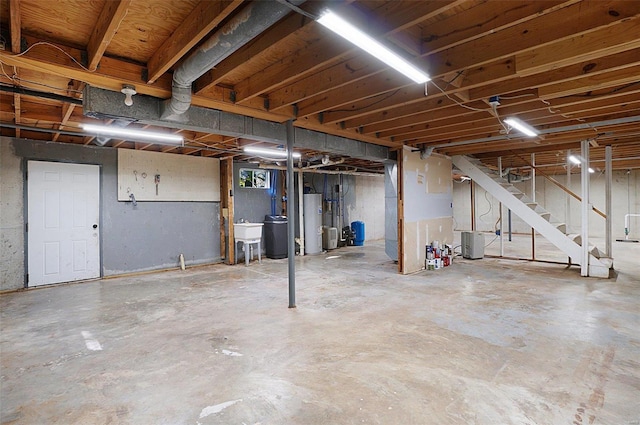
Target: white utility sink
247, 231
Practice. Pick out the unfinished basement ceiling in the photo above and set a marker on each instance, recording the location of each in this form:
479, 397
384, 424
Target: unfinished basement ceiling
569, 68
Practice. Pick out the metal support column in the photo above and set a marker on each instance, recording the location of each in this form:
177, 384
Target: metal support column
533, 198
567, 215
584, 184
608, 207
473, 206
501, 212
301, 210
291, 199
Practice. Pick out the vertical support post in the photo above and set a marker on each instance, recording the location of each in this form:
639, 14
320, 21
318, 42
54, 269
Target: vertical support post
473, 206
301, 211
501, 212
400, 168
608, 207
508, 210
291, 222
567, 215
533, 197
584, 183
227, 243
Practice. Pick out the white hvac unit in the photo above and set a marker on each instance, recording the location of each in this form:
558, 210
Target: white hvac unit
329, 238
472, 245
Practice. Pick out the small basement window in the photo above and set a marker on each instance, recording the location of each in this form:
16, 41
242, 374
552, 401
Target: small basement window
259, 179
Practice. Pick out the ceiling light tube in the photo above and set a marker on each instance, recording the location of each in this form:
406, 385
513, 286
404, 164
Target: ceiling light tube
344, 29
277, 153
136, 135
575, 159
521, 126
591, 170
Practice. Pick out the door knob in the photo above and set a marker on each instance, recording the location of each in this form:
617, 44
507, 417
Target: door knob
95, 226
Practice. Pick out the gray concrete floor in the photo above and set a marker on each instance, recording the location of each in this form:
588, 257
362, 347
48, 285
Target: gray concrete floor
481, 342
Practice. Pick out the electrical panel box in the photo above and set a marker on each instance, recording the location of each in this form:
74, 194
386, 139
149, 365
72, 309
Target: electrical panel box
472, 245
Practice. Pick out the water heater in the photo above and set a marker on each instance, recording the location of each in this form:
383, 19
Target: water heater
312, 223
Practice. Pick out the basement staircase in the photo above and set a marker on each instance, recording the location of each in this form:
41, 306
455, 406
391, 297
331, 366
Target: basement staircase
533, 214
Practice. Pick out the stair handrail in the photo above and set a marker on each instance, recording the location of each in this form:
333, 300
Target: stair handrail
557, 183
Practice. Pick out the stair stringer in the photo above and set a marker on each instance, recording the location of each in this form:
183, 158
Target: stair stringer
545, 228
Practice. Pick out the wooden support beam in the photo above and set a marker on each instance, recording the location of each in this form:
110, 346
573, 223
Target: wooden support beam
112, 15
326, 51
267, 41
227, 238
607, 40
15, 25
16, 36
115, 72
590, 83
206, 16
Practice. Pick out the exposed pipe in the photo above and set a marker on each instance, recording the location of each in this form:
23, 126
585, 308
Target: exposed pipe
40, 94
328, 164
319, 171
252, 20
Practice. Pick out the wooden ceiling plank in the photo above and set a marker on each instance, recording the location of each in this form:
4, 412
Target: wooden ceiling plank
468, 51
484, 19
115, 72
206, 16
606, 41
591, 67
281, 30
567, 22
325, 52
388, 111
590, 83
105, 28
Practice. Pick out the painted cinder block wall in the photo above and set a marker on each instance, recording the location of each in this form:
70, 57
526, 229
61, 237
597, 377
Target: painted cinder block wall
149, 236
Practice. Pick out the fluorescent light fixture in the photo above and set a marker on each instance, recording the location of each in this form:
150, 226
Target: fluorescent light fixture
277, 153
136, 135
575, 159
371, 46
521, 126
591, 170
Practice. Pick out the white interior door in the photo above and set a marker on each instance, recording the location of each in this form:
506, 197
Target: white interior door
63, 212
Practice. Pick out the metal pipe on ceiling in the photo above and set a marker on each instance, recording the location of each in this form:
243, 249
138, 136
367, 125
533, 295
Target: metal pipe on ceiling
40, 94
251, 21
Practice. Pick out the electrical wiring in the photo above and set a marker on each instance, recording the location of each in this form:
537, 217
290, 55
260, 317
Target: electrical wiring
490, 205
46, 43
367, 106
454, 100
517, 97
492, 241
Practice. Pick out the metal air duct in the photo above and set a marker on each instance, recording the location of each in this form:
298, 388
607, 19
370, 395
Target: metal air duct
252, 20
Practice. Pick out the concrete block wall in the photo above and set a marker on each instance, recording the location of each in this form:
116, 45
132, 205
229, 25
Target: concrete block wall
11, 218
